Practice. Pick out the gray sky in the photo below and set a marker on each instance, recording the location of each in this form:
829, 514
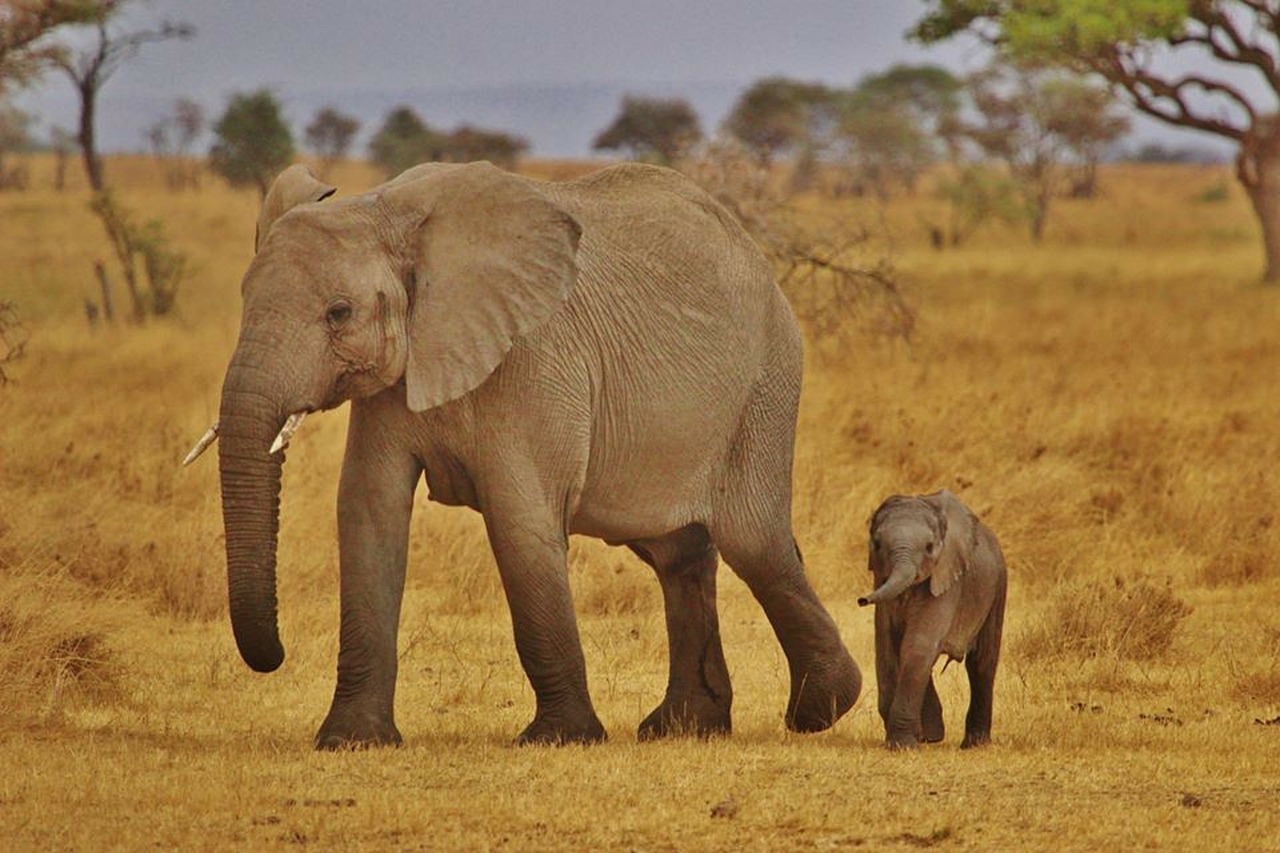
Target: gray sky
550, 70
340, 46
439, 55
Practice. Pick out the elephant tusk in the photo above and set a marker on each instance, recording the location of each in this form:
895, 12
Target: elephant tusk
202, 445
286, 432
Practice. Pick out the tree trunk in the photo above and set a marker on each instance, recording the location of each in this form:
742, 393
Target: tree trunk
88, 144
108, 310
1258, 168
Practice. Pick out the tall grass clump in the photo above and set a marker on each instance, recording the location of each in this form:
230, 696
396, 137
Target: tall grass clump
53, 646
1134, 620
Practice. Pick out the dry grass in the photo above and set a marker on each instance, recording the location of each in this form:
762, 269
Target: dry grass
1107, 402
1090, 619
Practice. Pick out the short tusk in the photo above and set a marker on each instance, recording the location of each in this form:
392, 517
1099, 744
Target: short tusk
286, 432
202, 445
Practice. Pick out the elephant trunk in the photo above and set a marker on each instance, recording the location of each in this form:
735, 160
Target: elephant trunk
250, 477
902, 577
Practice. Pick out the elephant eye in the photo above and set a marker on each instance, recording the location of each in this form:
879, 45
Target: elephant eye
338, 314
929, 549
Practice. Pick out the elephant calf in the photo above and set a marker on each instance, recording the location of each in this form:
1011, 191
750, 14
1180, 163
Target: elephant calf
940, 590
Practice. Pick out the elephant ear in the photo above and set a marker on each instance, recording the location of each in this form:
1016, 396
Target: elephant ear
957, 524
490, 260
294, 186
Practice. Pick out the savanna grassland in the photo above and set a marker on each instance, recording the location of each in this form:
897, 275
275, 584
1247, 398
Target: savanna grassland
1108, 402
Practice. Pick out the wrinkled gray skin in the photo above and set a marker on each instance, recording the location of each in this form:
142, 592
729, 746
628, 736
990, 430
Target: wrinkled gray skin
940, 590
608, 357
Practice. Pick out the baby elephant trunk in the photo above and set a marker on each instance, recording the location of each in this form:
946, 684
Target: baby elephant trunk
904, 574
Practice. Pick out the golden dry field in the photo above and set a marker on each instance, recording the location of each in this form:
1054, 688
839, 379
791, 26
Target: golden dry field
1108, 402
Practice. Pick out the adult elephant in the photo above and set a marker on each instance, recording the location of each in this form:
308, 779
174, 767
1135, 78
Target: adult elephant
609, 357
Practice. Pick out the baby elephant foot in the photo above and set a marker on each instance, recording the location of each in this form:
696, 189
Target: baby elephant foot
560, 730
823, 693
692, 716
975, 739
350, 729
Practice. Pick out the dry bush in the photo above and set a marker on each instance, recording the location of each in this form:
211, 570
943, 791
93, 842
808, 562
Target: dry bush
1258, 680
827, 265
13, 339
53, 650
1132, 621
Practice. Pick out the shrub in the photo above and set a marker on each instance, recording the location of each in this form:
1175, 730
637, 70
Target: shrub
52, 643
144, 246
823, 270
1131, 621
13, 338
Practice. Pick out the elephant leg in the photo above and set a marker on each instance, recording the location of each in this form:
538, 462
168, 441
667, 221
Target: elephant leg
932, 729
888, 640
699, 694
981, 667
531, 550
751, 525
915, 674
375, 500
824, 679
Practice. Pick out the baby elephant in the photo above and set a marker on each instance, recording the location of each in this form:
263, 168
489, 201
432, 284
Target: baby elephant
940, 590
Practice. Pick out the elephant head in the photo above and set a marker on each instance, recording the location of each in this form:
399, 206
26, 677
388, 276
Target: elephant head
427, 280
914, 539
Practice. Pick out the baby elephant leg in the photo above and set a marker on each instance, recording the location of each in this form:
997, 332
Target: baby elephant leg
981, 666
915, 669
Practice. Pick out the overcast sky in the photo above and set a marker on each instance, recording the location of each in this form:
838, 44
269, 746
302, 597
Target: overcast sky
338, 51
342, 46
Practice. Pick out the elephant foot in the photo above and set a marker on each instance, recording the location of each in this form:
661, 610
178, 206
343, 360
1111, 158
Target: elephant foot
353, 730
900, 743
687, 716
822, 693
548, 730
975, 739
932, 731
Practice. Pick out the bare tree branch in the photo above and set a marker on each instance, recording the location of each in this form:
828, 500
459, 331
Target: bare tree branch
822, 274
1239, 51
90, 70
1167, 99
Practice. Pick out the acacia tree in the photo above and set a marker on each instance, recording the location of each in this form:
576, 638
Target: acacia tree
466, 143
23, 27
1125, 42
253, 142
405, 140
330, 135
896, 124
171, 139
658, 129
777, 116
1084, 118
90, 69
1035, 120
15, 136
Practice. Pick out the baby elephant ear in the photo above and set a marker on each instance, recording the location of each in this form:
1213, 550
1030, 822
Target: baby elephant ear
491, 259
292, 187
956, 523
